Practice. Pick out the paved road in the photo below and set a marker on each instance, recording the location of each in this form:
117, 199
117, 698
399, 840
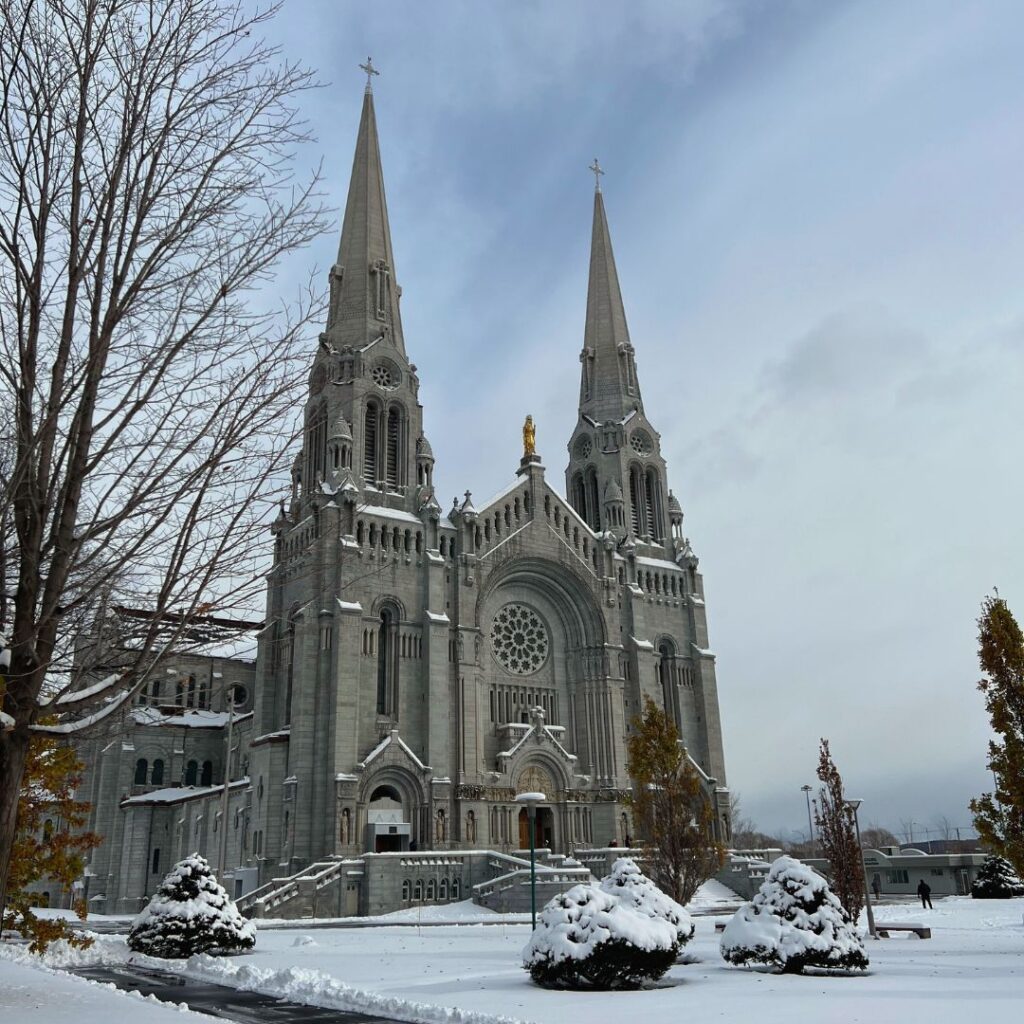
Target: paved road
222, 1001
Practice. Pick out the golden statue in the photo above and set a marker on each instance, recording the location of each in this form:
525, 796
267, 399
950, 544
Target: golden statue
529, 439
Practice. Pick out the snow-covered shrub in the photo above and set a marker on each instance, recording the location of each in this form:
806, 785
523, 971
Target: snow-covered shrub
996, 880
630, 884
190, 913
794, 921
588, 938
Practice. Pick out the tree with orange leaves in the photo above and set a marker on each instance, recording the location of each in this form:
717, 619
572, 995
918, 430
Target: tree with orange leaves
49, 842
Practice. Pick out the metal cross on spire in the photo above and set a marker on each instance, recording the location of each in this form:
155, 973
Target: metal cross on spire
370, 72
595, 167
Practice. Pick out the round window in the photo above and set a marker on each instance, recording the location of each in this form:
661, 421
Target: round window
640, 442
584, 447
239, 695
384, 377
519, 639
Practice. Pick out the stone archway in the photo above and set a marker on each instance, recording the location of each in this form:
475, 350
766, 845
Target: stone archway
392, 803
538, 778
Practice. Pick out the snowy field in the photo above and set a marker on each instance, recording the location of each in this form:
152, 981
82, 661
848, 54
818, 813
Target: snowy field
973, 964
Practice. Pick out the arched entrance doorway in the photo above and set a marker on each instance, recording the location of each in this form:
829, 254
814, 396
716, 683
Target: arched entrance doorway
545, 829
537, 779
387, 821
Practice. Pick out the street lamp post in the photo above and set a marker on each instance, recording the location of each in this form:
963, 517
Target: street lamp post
531, 800
225, 796
851, 807
806, 790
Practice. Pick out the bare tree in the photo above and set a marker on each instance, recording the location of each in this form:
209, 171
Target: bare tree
146, 195
875, 836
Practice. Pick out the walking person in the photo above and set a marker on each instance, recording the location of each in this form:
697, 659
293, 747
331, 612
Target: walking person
924, 890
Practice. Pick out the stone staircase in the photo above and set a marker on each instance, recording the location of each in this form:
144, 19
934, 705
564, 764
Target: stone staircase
316, 891
509, 892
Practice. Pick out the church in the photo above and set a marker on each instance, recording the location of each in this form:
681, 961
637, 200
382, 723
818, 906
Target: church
418, 667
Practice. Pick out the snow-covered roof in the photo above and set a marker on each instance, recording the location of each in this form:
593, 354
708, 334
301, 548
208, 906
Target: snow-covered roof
391, 513
188, 719
657, 563
392, 737
176, 794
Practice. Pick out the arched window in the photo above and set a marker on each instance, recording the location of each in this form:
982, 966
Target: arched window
442, 889
577, 494
387, 662
316, 444
190, 699
652, 489
417, 892
638, 502
370, 461
206, 779
395, 467
157, 776
431, 889
154, 691
48, 829
593, 515
456, 888
406, 890
191, 773
666, 676
141, 767
156, 860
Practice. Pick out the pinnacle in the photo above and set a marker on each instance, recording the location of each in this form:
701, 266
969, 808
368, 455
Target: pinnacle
364, 302
608, 389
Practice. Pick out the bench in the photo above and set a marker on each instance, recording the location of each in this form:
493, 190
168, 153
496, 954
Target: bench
920, 930
881, 930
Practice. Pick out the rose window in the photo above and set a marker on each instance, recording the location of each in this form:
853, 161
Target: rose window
519, 639
584, 448
383, 378
640, 443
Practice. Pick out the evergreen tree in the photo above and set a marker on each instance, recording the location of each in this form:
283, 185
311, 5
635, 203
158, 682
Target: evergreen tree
996, 880
49, 842
999, 816
587, 938
628, 883
794, 921
190, 914
838, 837
670, 807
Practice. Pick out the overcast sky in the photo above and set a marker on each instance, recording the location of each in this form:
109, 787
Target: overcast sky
818, 223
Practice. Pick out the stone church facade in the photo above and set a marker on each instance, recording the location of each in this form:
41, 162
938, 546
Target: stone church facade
441, 662
420, 666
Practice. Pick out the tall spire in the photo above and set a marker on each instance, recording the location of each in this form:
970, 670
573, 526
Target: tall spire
608, 387
364, 294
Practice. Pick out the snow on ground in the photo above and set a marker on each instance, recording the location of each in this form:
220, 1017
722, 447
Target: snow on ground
30, 993
471, 974
712, 892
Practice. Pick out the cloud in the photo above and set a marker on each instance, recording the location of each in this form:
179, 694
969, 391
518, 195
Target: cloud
848, 353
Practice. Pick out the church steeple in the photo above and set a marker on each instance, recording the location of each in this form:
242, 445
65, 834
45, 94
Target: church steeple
364, 293
616, 475
609, 389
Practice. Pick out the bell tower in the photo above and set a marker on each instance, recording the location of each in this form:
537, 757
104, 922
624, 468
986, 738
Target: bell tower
616, 475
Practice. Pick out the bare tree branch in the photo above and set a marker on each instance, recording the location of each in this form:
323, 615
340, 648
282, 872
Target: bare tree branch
146, 194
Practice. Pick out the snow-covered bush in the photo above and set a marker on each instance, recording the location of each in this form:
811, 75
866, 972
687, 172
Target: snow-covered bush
631, 885
190, 913
794, 921
588, 938
996, 880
